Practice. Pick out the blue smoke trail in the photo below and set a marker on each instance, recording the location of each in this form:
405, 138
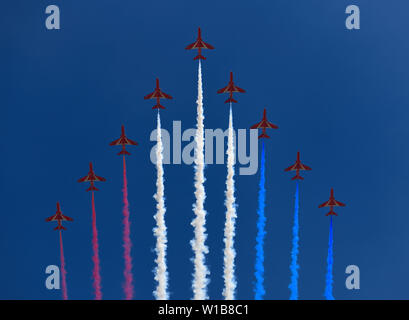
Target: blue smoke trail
259, 266
294, 252
330, 261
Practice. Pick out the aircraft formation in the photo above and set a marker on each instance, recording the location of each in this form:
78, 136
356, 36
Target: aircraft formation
230, 89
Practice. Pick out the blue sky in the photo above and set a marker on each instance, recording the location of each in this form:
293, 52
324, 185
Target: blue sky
339, 96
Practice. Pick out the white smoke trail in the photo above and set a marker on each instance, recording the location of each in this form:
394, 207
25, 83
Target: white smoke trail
200, 280
229, 228
161, 274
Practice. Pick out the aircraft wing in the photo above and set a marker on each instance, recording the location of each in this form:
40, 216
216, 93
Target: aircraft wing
149, 96
52, 218
199, 44
237, 89
66, 218
165, 95
325, 204
304, 167
117, 142
272, 125
340, 204
86, 178
131, 142
291, 168
256, 126
264, 124
223, 90
192, 46
97, 178
207, 46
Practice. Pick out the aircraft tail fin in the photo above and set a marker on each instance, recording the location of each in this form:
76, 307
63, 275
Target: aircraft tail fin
331, 213
124, 152
60, 227
297, 177
158, 106
263, 135
92, 188
230, 100
198, 57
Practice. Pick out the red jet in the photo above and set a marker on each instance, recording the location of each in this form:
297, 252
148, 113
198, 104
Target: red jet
230, 88
297, 167
264, 124
158, 94
91, 177
123, 140
59, 217
332, 203
199, 44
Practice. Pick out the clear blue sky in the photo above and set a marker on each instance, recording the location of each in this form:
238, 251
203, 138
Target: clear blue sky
340, 97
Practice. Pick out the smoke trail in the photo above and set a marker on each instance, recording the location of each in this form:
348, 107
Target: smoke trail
294, 252
63, 272
161, 274
95, 258
128, 286
259, 267
201, 271
330, 260
229, 228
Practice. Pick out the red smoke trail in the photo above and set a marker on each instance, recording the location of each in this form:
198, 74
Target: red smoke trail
128, 286
95, 257
63, 272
